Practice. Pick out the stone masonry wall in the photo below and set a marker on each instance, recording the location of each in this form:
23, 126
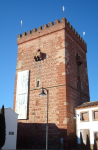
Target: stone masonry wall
58, 73
74, 97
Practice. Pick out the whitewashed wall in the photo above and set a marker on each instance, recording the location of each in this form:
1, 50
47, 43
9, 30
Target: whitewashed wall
11, 126
91, 125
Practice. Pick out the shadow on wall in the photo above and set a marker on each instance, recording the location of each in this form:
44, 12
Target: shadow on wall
72, 140
95, 146
87, 145
33, 135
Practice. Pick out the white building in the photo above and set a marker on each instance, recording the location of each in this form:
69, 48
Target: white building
87, 124
11, 129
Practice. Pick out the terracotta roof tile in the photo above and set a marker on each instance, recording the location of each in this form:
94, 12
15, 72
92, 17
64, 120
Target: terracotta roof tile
88, 104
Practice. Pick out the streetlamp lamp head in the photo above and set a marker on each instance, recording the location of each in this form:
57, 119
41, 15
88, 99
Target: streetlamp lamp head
74, 117
42, 94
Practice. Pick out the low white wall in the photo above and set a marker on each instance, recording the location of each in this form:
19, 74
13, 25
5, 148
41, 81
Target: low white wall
91, 125
11, 126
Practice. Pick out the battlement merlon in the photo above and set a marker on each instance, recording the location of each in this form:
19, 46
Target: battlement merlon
64, 24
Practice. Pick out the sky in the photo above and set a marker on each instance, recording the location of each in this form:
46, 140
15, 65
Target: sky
82, 15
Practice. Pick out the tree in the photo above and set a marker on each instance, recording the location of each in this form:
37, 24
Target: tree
2, 127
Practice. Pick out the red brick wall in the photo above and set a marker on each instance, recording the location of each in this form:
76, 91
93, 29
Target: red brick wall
57, 73
73, 96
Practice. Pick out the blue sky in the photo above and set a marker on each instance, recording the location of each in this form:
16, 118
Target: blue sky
82, 15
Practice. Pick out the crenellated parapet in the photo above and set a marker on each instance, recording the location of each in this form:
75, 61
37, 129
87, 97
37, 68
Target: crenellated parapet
49, 29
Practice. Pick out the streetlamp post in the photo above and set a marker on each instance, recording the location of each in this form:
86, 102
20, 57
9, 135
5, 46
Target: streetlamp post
42, 94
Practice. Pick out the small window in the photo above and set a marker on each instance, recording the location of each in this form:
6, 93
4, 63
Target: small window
37, 83
84, 116
95, 115
11, 133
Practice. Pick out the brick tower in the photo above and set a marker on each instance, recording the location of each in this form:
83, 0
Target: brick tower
54, 58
